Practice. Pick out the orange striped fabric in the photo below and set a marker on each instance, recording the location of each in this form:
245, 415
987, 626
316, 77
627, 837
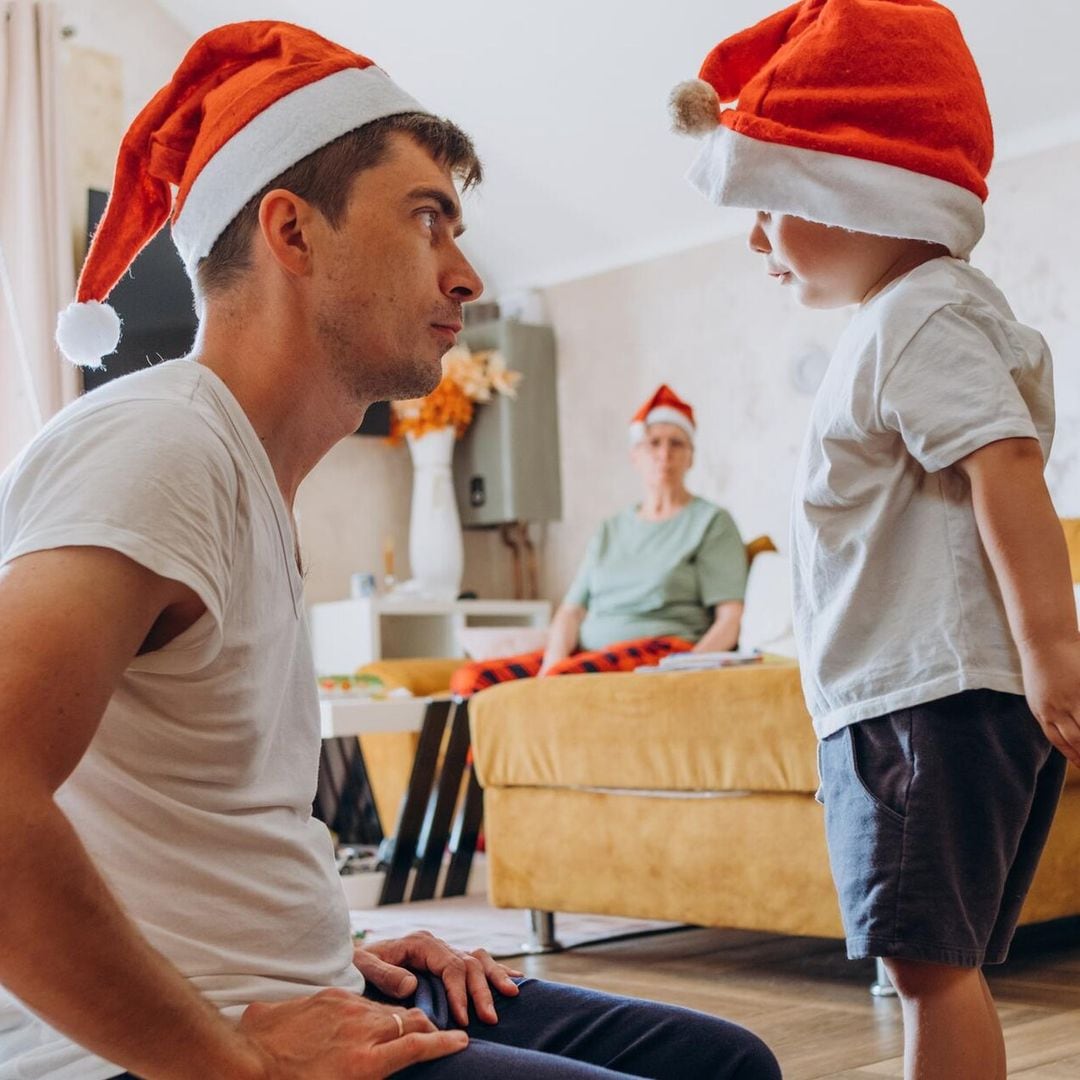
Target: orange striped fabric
621, 656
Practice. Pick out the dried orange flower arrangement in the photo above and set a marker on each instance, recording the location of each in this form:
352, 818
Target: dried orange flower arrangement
468, 379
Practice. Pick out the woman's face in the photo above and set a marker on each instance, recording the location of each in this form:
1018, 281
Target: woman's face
663, 457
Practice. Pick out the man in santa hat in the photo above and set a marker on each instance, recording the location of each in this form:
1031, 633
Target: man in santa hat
170, 905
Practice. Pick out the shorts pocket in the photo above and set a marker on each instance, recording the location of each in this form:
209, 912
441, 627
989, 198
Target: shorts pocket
819, 795
881, 762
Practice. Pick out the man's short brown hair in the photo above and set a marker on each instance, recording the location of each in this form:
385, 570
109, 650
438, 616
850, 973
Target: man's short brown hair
325, 178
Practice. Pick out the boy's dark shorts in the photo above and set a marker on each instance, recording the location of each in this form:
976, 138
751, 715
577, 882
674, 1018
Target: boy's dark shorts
936, 817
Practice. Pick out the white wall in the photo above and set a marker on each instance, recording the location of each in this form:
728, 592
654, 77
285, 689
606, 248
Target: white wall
710, 323
1033, 236
355, 498
116, 57
148, 42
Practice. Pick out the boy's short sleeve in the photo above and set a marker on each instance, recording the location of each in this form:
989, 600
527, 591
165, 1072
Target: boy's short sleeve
579, 592
953, 390
149, 479
721, 561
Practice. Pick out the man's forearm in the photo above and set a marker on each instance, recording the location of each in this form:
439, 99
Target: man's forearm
70, 953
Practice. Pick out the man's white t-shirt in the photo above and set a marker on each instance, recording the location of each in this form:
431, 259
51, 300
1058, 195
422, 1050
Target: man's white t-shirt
194, 798
895, 600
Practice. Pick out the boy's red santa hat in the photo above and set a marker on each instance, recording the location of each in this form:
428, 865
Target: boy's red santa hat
867, 114
248, 101
664, 407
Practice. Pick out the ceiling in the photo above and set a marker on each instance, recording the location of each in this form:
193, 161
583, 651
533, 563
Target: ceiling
566, 100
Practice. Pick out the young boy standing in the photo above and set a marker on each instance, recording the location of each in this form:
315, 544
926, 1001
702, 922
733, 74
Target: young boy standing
937, 632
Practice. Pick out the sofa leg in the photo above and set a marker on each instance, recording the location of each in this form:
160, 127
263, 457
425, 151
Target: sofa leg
541, 933
882, 986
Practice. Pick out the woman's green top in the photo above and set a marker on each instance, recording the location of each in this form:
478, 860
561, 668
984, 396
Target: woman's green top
650, 578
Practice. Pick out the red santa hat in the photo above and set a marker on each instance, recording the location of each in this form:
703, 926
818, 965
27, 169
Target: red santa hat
664, 407
867, 114
248, 101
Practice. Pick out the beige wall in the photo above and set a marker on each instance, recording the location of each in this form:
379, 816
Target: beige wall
115, 58
356, 497
710, 323
147, 40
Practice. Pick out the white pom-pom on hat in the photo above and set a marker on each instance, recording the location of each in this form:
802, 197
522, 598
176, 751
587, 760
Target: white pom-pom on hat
88, 331
695, 107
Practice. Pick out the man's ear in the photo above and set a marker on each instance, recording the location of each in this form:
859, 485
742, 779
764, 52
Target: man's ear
286, 223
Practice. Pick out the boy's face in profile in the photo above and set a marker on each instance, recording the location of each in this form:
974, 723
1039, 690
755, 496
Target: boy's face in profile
827, 266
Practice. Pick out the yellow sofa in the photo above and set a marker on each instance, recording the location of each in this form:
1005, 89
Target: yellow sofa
687, 797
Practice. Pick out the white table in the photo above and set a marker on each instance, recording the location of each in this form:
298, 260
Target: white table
343, 716
346, 634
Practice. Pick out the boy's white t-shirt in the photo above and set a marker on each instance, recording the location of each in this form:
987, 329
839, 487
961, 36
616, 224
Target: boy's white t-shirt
194, 798
895, 600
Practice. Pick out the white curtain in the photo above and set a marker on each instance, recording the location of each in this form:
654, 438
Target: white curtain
36, 262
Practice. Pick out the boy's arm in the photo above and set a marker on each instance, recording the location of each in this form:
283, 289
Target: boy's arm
71, 620
1024, 541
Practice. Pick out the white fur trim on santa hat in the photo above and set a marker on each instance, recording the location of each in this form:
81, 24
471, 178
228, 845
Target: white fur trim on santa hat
834, 189
281, 135
87, 332
662, 414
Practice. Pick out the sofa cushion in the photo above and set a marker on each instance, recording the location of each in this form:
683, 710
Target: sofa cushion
736, 729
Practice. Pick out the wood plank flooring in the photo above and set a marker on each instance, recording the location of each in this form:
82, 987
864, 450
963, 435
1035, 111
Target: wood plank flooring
813, 1007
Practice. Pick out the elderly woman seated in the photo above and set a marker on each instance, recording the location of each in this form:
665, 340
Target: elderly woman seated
666, 575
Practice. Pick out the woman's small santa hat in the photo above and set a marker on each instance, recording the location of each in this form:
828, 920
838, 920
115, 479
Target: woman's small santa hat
248, 101
664, 407
867, 114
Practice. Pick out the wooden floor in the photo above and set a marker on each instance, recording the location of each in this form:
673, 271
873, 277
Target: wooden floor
813, 1007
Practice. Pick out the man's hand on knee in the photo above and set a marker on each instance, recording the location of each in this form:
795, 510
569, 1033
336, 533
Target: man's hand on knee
467, 976
337, 1033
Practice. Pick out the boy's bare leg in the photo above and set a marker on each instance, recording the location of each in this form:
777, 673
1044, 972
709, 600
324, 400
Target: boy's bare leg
951, 1028
999, 1060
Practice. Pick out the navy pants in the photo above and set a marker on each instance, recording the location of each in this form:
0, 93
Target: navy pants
555, 1032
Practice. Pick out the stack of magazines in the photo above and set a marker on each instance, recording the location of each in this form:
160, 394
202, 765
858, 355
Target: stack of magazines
703, 661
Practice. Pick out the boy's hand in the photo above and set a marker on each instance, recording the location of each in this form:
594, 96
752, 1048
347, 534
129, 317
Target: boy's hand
1052, 685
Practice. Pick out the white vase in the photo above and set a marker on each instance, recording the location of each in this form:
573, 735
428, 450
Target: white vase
436, 552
